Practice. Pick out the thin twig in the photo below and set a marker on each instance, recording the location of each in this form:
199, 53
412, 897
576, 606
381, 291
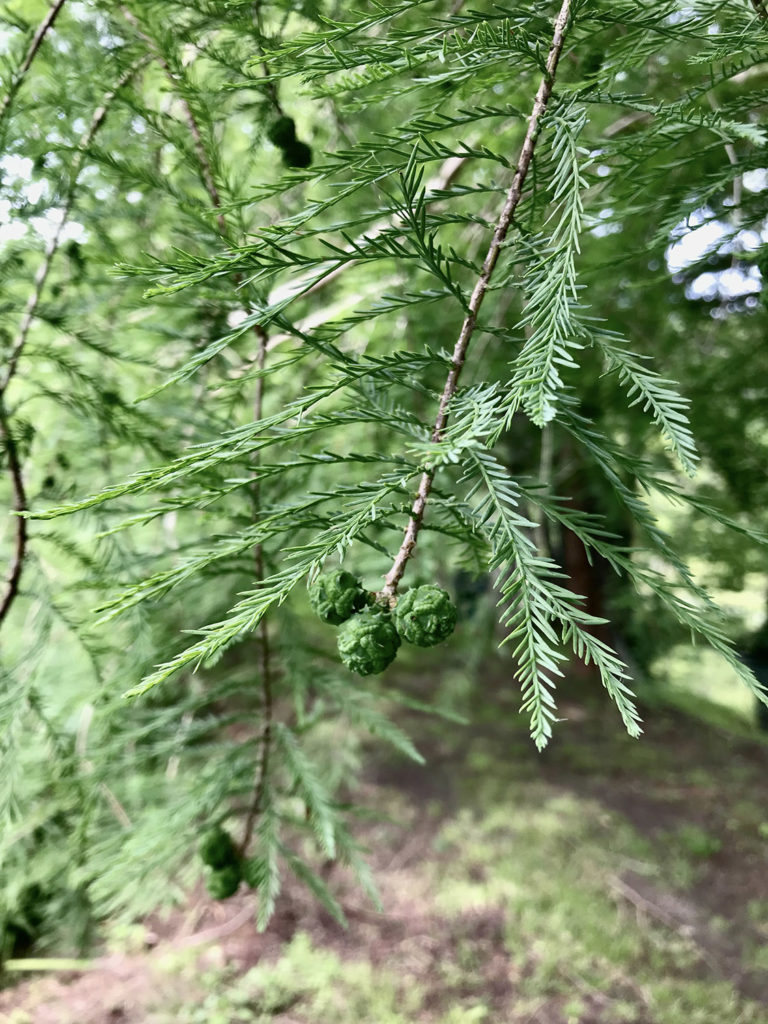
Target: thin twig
626, 121
34, 46
17, 346
395, 574
759, 6
206, 173
217, 932
20, 505
262, 768
733, 160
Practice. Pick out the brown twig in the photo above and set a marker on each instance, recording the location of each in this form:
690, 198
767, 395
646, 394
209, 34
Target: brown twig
625, 122
17, 347
34, 46
262, 768
760, 10
217, 932
395, 574
20, 505
206, 173
738, 180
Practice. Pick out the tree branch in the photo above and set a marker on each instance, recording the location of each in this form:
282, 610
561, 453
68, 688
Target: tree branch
738, 181
449, 171
395, 574
17, 347
20, 505
34, 46
262, 768
206, 171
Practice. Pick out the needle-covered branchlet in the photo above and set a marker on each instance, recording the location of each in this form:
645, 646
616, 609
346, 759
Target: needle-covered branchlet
37, 41
514, 195
13, 462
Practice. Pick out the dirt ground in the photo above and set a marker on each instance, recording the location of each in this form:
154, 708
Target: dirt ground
691, 880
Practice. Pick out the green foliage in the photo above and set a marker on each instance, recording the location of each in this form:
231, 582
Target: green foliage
368, 642
253, 871
425, 615
697, 842
217, 375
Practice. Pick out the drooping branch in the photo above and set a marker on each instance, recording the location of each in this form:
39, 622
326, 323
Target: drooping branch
17, 347
265, 658
83, 146
514, 195
34, 46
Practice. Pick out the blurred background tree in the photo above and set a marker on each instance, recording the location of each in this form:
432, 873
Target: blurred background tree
223, 360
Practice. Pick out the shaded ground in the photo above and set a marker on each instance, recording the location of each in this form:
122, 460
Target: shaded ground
608, 881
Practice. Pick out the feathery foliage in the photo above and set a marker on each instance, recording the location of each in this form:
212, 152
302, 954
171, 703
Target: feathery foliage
446, 344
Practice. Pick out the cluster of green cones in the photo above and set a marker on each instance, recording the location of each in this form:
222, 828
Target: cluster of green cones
225, 868
282, 133
370, 632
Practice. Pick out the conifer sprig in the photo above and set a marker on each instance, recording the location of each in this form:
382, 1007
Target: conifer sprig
514, 195
16, 348
194, 506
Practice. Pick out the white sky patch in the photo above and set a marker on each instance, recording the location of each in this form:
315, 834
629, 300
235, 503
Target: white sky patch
35, 191
694, 238
16, 167
236, 316
12, 232
747, 240
607, 227
732, 283
695, 245
602, 230
755, 181
699, 236
685, 14
48, 225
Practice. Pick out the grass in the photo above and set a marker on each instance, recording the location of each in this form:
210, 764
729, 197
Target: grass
518, 916
609, 881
